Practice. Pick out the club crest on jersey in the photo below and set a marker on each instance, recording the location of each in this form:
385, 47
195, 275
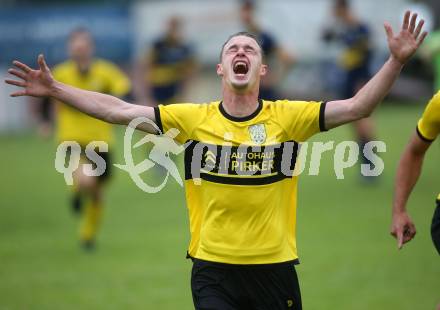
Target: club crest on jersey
257, 133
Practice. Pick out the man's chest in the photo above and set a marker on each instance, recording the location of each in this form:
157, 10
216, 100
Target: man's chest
259, 133
254, 150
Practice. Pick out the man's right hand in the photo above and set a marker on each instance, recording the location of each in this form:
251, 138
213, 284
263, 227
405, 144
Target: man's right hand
37, 83
402, 228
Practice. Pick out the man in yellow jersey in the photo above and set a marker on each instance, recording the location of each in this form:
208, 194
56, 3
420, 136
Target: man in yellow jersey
84, 71
408, 171
240, 191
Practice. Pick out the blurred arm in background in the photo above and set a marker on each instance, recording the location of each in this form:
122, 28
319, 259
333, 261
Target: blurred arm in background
141, 84
408, 172
430, 53
286, 60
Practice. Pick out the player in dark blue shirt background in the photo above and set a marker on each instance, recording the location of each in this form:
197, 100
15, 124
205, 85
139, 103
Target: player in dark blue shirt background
167, 66
355, 62
275, 55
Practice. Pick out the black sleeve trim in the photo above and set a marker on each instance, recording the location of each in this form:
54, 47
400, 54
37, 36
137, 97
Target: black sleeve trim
158, 120
322, 116
422, 137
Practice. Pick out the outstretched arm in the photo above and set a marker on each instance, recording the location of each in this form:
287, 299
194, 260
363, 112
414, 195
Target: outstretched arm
408, 172
40, 83
402, 46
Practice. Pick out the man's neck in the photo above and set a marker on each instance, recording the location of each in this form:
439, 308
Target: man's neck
83, 66
240, 105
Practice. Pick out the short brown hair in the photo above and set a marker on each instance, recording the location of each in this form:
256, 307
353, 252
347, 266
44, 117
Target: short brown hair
239, 34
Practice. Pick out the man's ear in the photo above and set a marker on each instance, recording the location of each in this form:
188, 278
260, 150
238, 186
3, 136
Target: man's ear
263, 70
219, 70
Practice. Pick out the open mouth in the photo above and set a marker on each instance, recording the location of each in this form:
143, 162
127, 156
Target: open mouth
240, 67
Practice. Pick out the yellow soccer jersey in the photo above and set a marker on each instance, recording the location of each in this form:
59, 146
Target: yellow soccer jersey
103, 77
428, 126
240, 191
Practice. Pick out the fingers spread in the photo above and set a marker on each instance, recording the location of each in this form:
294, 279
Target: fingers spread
422, 38
17, 73
412, 24
16, 83
419, 28
406, 20
22, 66
18, 94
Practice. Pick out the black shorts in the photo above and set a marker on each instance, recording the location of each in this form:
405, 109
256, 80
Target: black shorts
108, 167
46, 110
105, 155
435, 227
217, 286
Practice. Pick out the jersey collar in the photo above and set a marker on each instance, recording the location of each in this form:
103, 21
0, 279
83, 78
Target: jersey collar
244, 118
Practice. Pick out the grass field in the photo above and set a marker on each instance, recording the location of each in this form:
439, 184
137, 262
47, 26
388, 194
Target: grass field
348, 259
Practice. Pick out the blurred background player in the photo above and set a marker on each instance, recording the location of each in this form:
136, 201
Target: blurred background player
431, 52
354, 61
163, 73
211, 241
408, 172
278, 59
84, 71
419, 72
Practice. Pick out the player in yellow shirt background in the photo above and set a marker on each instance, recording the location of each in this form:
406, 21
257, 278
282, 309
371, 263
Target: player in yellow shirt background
243, 239
84, 71
408, 172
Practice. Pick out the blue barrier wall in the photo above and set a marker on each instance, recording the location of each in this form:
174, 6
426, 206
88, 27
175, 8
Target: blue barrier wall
25, 32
